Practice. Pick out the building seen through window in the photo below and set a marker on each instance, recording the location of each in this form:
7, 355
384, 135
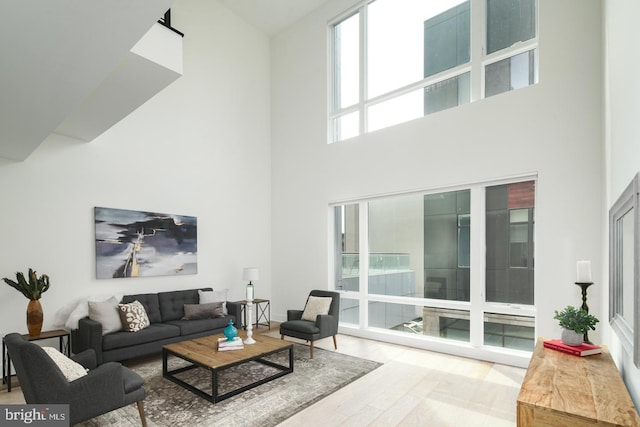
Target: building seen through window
414, 57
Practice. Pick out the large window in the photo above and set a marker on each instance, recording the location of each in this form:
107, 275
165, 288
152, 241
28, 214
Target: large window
394, 61
411, 264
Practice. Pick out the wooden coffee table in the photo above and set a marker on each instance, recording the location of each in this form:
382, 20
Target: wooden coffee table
203, 353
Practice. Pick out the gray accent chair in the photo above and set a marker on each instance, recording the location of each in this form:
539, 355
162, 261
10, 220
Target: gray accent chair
105, 388
324, 326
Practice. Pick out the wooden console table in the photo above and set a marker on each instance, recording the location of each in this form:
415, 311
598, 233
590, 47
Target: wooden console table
564, 390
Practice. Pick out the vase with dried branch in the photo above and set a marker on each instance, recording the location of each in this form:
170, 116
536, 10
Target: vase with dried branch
33, 290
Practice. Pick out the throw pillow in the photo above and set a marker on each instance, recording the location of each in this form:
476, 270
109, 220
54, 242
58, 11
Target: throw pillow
316, 306
70, 369
215, 296
134, 316
203, 311
106, 312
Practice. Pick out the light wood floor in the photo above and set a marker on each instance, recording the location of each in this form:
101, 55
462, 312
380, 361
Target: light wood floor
412, 388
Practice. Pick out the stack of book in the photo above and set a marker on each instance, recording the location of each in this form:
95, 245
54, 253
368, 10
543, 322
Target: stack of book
225, 345
583, 349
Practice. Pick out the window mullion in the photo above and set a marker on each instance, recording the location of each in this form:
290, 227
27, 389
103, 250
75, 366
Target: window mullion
363, 254
478, 266
363, 68
478, 37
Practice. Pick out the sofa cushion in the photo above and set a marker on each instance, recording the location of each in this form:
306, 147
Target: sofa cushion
150, 304
188, 327
316, 306
303, 326
203, 311
207, 297
106, 313
172, 303
155, 332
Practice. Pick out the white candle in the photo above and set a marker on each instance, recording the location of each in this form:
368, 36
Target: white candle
584, 272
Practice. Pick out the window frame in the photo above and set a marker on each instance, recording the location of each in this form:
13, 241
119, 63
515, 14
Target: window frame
476, 66
478, 306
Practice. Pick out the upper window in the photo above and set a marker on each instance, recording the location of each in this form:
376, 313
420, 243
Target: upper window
396, 61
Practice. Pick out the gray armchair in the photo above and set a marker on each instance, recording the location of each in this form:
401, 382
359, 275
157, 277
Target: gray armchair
325, 325
105, 388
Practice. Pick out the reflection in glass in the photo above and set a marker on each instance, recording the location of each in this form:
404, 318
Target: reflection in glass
346, 243
447, 245
509, 331
509, 22
395, 246
446, 323
509, 74
510, 243
349, 311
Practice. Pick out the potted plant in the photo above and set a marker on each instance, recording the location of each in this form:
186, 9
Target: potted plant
33, 290
575, 323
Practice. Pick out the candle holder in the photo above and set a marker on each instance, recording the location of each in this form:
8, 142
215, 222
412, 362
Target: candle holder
585, 307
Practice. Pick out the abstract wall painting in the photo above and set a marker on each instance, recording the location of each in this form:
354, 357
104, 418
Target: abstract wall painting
137, 244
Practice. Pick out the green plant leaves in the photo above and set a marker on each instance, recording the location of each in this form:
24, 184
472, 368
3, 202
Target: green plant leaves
577, 320
33, 288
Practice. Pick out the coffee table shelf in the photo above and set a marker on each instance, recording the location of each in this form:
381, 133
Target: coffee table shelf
203, 353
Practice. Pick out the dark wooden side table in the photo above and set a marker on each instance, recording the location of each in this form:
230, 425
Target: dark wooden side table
64, 345
263, 312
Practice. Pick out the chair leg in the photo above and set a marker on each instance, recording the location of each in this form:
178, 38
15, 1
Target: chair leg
311, 349
281, 337
335, 343
141, 411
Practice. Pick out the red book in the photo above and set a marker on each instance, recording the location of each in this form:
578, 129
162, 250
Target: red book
583, 349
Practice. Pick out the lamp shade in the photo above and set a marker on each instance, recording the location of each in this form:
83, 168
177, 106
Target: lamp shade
250, 274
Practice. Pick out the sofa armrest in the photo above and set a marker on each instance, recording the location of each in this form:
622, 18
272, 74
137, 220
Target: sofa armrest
328, 324
88, 336
235, 309
100, 391
294, 315
86, 358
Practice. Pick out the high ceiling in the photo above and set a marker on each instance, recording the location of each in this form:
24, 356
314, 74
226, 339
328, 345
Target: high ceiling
272, 16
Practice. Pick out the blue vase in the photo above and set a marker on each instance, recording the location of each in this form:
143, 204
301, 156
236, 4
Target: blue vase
230, 331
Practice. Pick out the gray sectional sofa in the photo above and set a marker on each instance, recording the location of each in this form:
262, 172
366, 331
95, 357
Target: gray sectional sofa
165, 311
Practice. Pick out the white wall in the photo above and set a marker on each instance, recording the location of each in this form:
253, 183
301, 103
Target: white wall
200, 148
553, 129
622, 133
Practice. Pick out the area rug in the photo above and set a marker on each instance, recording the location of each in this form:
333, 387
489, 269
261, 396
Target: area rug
168, 404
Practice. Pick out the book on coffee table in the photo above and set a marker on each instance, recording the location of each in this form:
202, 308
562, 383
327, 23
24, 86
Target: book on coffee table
583, 349
225, 345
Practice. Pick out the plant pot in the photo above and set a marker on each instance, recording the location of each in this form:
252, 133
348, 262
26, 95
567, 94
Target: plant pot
570, 337
34, 317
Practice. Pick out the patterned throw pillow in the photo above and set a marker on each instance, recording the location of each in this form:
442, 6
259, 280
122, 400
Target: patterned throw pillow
133, 316
316, 306
70, 369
